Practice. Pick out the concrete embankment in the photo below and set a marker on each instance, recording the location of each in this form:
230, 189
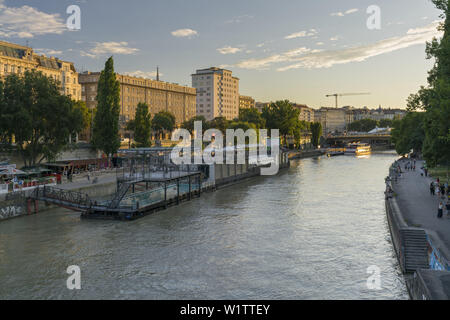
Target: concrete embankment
14, 205
306, 154
417, 235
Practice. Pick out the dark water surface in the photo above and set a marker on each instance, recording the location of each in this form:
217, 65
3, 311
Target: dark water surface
309, 233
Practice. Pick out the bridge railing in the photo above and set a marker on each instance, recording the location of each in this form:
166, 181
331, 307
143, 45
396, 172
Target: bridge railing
77, 199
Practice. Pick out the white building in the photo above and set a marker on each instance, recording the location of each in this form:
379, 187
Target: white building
217, 93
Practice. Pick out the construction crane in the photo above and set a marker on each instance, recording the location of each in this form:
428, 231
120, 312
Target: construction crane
336, 95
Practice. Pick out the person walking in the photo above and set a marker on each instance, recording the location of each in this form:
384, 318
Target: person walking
440, 210
432, 188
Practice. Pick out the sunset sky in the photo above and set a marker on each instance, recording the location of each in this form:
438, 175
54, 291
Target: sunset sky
285, 49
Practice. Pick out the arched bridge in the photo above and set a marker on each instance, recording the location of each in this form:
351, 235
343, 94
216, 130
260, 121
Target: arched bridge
372, 139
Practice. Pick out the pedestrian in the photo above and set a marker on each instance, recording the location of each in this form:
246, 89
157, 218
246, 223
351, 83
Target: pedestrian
440, 210
89, 176
438, 191
442, 190
432, 188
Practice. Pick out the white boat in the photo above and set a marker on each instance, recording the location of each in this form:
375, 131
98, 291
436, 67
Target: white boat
358, 149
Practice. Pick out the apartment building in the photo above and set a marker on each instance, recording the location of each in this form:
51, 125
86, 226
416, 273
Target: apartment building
334, 120
17, 59
217, 93
306, 113
246, 102
159, 95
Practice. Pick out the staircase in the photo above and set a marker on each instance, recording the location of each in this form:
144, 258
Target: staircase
120, 194
415, 244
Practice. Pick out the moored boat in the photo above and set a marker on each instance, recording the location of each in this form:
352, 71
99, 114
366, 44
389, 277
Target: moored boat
358, 149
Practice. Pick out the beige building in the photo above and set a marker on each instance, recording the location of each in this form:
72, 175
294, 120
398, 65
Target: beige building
16, 59
217, 93
246, 102
306, 113
334, 120
158, 95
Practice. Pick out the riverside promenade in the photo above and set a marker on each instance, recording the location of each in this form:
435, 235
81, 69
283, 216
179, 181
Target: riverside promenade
417, 211
419, 208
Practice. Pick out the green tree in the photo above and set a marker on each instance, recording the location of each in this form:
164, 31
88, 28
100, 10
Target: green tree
283, 116
38, 116
385, 123
163, 121
252, 115
189, 124
408, 134
435, 98
219, 123
363, 125
316, 131
142, 126
106, 121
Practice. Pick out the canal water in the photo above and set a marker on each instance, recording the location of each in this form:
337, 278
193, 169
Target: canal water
310, 233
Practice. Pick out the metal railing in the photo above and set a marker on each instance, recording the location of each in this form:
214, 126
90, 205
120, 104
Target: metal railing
77, 199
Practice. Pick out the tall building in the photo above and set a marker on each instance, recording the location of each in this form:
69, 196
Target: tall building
217, 93
306, 113
159, 95
16, 59
246, 102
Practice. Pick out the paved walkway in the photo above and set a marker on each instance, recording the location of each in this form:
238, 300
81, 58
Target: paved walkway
419, 208
107, 178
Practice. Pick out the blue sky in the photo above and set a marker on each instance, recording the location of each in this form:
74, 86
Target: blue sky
287, 49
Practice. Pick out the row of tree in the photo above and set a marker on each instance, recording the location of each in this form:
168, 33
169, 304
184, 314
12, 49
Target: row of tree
41, 119
426, 128
366, 125
279, 115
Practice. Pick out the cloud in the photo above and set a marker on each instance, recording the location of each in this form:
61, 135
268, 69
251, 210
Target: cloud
350, 11
327, 59
48, 52
27, 22
320, 43
143, 74
107, 48
341, 14
336, 38
309, 59
302, 34
264, 63
239, 19
229, 50
182, 33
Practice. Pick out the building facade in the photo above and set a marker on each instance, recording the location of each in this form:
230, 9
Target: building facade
306, 113
334, 120
16, 59
158, 95
246, 102
217, 93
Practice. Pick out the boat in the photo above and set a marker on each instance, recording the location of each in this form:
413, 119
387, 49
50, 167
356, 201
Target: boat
333, 152
358, 149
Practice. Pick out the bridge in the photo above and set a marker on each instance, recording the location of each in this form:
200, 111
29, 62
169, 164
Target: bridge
372, 139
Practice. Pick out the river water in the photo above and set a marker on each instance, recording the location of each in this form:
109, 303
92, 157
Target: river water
309, 233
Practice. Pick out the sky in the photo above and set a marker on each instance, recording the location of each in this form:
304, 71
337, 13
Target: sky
300, 50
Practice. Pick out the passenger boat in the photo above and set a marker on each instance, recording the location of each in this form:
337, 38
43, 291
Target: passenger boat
358, 149
333, 152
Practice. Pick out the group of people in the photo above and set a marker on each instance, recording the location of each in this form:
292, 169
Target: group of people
443, 192
410, 166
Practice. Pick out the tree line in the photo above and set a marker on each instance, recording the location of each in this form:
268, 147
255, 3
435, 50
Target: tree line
38, 119
426, 127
